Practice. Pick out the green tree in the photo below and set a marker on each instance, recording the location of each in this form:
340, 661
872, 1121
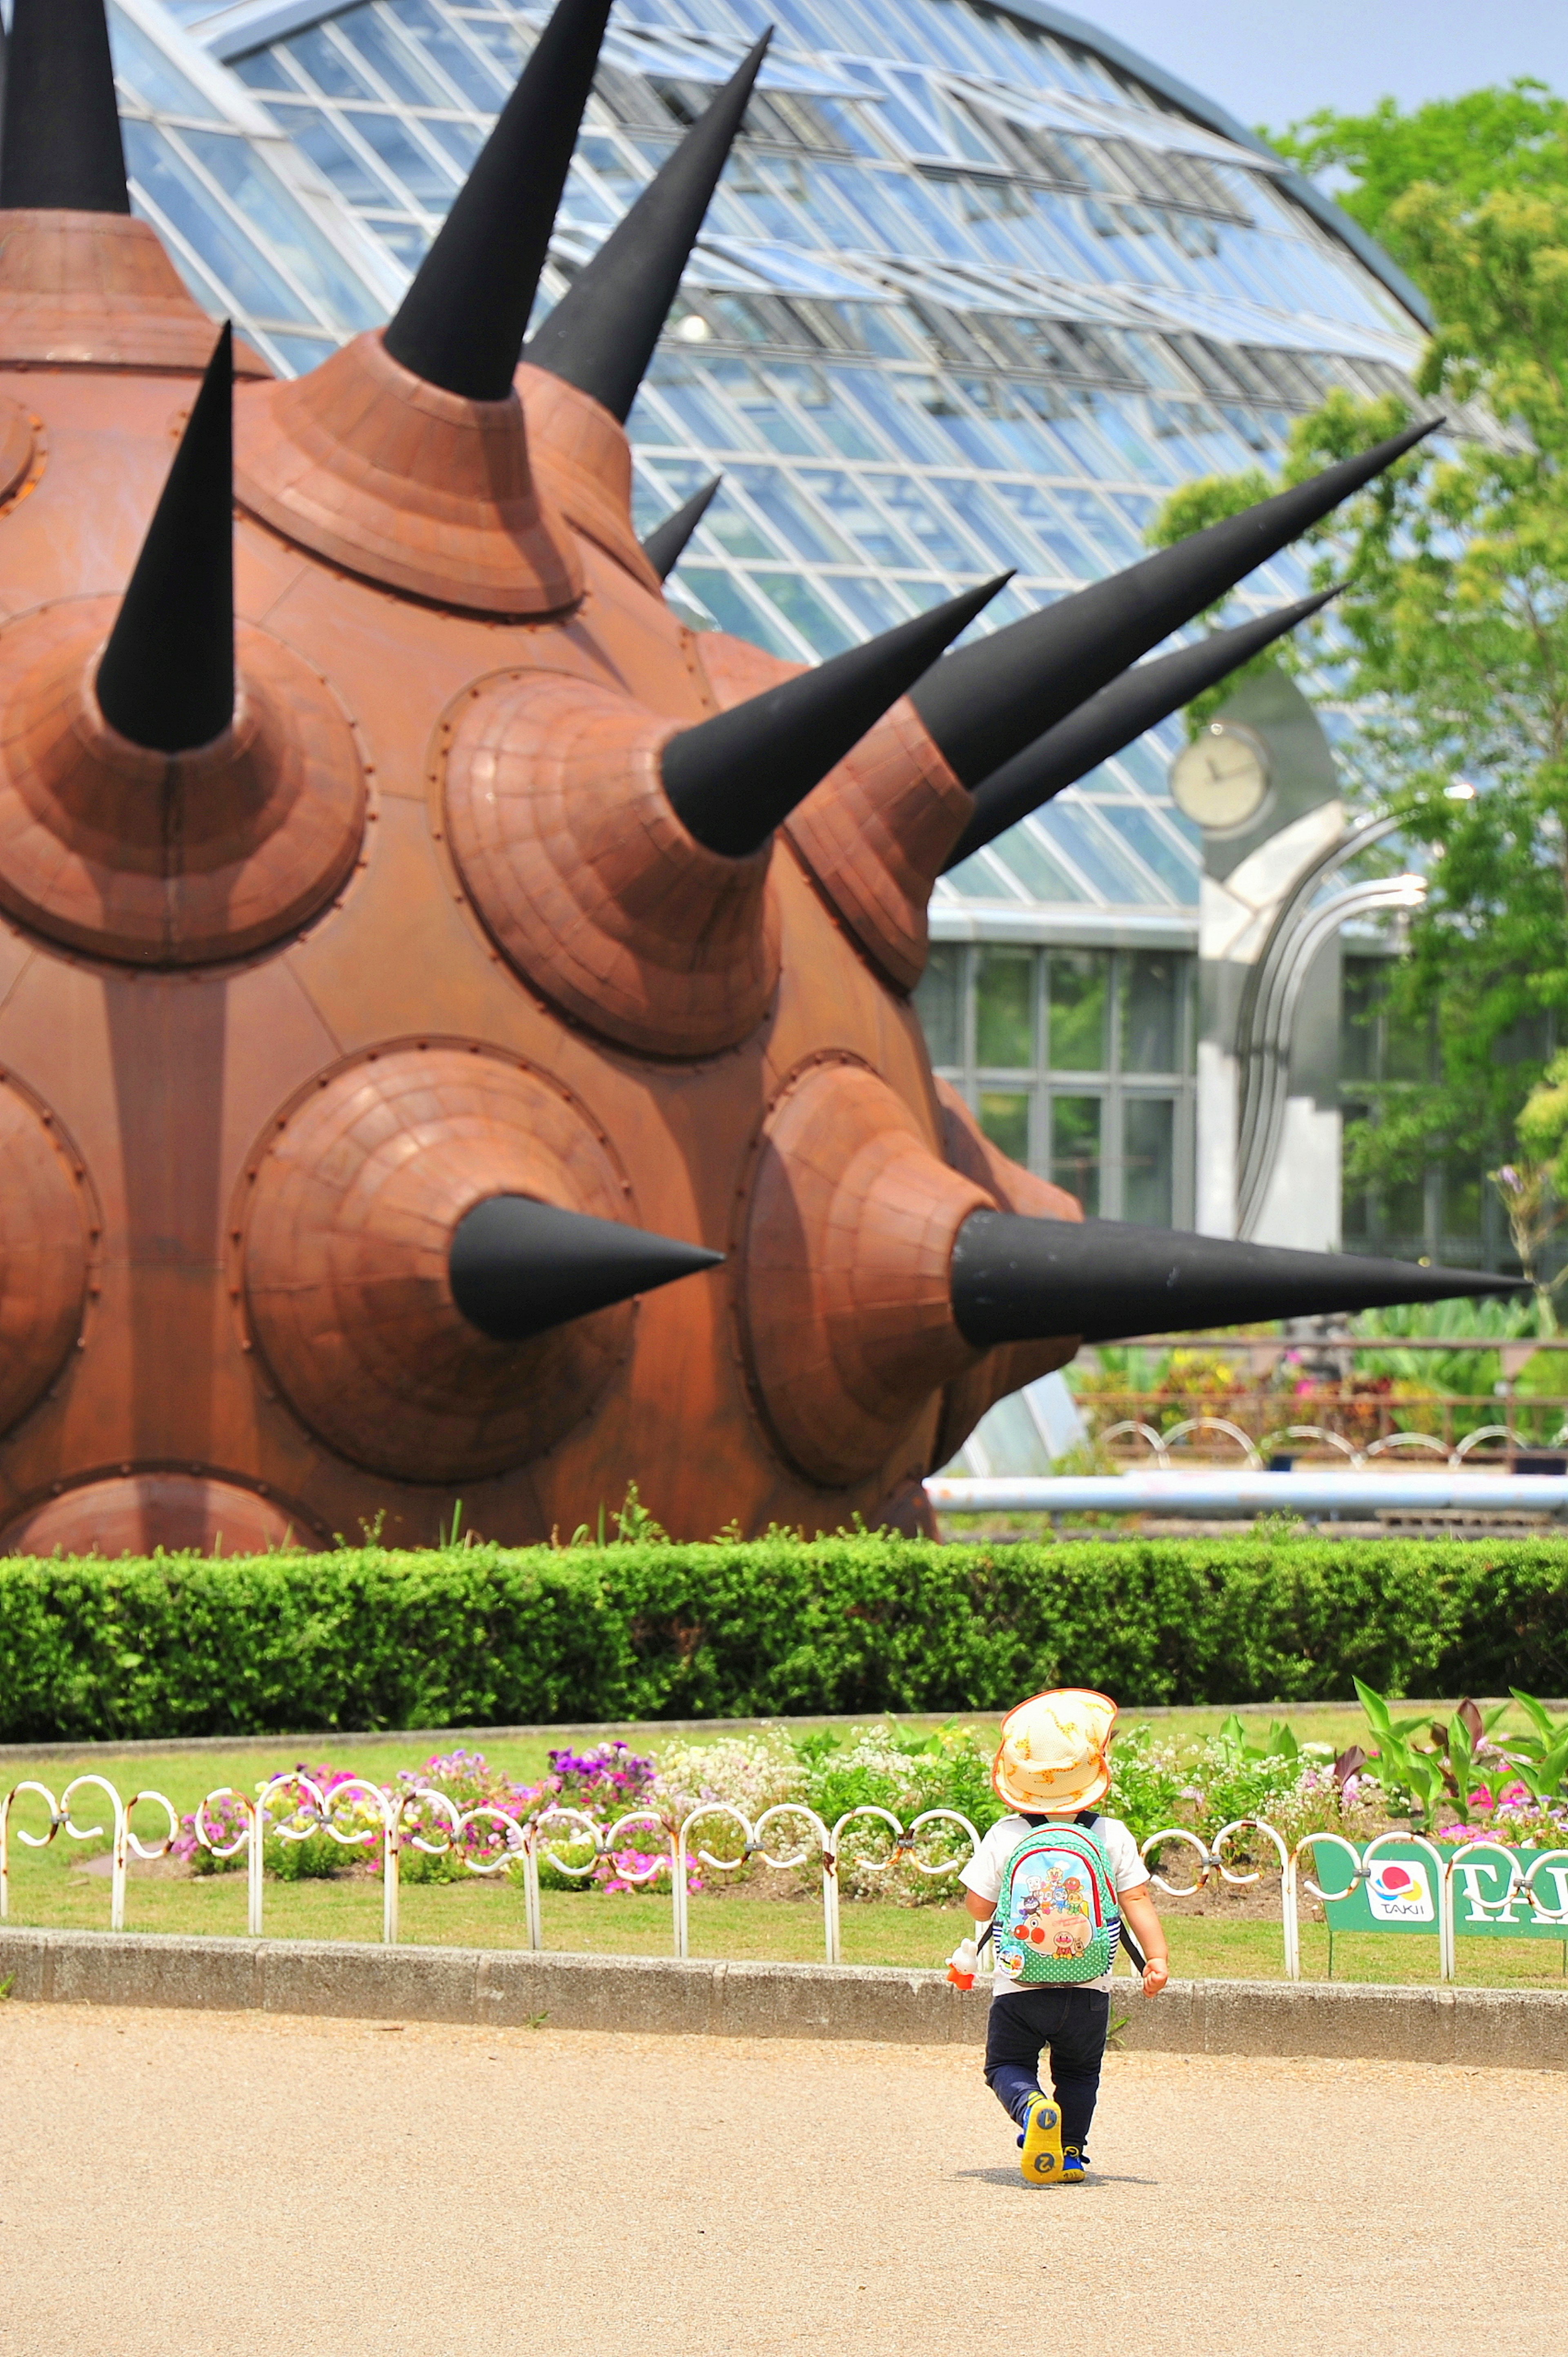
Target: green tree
1452, 631
1473, 147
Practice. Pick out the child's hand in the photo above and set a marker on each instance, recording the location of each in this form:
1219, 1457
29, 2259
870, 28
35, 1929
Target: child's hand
1157, 1972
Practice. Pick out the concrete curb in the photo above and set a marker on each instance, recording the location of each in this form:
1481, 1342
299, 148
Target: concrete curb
1525, 2029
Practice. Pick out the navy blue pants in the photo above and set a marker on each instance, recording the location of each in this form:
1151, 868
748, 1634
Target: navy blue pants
1072, 2023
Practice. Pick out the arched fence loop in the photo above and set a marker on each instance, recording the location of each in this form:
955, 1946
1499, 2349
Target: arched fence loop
124, 1842
1145, 1432
1442, 1884
1287, 1881
1205, 1860
1558, 1914
1391, 1441
832, 1858
355, 1814
824, 1842
1473, 1440
940, 1817
1312, 1432
1215, 1423
715, 1809
33, 1841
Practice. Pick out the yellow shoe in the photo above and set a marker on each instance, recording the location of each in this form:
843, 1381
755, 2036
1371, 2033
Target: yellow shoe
1042, 2161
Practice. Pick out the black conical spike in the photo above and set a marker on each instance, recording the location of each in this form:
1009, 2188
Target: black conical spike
167, 677
1018, 1280
1113, 718
60, 150
989, 701
518, 1268
600, 336
734, 779
462, 322
666, 543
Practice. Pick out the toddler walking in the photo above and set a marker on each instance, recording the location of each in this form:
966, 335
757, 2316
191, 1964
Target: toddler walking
1058, 1883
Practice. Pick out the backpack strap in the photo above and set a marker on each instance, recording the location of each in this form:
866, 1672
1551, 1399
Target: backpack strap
1088, 1819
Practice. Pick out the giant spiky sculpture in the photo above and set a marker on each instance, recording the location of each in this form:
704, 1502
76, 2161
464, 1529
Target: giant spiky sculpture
422, 950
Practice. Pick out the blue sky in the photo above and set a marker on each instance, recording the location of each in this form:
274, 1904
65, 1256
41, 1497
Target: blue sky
1275, 61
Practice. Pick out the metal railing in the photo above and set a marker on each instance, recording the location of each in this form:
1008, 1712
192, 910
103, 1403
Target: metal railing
1296, 1876
1357, 1492
521, 1840
126, 1844
1257, 1449
405, 1819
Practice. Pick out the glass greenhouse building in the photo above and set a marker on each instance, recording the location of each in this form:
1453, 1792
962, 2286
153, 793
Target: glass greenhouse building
979, 288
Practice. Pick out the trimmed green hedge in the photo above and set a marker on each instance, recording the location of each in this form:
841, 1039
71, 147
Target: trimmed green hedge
479, 1636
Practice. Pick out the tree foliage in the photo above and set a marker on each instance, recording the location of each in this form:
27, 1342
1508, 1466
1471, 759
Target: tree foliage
1452, 633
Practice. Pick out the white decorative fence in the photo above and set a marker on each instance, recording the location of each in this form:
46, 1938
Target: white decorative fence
406, 1820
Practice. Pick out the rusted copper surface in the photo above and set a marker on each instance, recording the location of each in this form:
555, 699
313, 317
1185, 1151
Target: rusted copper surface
97, 290
588, 881
877, 833
353, 1202
443, 939
47, 1234
582, 459
20, 456
874, 836
133, 1513
168, 858
1011, 1189
365, 464
849, 1328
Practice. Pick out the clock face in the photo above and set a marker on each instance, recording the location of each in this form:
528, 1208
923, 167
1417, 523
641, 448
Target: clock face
1221, 778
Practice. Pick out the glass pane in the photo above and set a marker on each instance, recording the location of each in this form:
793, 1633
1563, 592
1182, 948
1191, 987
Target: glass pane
1151, 1012
1075, 1148
328, 149
146, 72
274, 213
166, 181
734, 611
327, 66
1148, 1135
1004, 1118
822, 630
410, 164
1080, 1002
1004, 1009
937, 1003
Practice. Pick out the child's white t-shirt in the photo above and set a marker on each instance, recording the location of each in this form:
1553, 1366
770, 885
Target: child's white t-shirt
986, 1870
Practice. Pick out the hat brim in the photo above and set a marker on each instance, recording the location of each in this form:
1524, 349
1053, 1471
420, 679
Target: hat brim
1031, 1806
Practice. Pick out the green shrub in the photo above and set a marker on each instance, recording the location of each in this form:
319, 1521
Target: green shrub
481, 1636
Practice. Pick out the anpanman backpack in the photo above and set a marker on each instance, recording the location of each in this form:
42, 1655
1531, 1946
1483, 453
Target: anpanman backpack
1057, 1918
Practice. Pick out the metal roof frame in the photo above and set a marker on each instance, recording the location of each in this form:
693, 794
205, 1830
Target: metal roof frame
233, 31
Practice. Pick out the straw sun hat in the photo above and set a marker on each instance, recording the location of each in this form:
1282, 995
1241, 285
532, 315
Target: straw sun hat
1053, 1753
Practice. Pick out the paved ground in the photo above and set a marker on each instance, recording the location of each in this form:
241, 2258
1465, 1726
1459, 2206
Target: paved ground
179, 2185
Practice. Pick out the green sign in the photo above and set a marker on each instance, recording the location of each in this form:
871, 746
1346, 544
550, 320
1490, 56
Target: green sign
1399, 1891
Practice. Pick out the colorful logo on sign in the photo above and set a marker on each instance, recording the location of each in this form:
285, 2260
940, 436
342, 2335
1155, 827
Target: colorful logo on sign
1398, 1891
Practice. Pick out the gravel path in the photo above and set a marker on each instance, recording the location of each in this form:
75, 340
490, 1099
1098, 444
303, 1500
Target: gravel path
187, 2185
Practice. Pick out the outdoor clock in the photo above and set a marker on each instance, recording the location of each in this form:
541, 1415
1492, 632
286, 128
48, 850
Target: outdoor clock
1221, 778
